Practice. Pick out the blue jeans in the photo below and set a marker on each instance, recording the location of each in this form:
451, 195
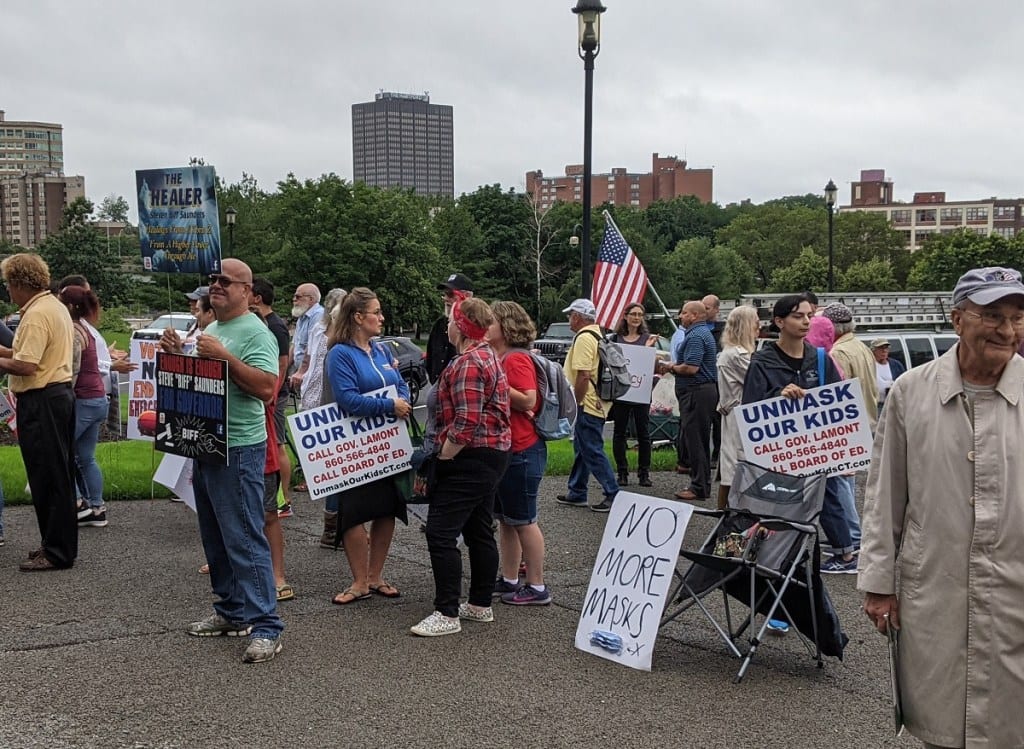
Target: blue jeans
90, 413
589, 458
229, 504
516, 502
833, 517
848, 500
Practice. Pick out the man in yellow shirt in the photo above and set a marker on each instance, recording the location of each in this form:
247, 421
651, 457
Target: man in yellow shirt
39, 365
588, 437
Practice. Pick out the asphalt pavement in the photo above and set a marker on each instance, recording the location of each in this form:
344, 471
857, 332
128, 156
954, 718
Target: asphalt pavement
96, 656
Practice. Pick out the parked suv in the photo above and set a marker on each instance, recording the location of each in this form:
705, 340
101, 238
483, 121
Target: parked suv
411, 362
555, 342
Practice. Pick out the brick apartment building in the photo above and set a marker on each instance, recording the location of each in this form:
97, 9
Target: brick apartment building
669, 178
930, 213
33, 188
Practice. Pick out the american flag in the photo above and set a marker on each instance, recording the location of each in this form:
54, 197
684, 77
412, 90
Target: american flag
619, 278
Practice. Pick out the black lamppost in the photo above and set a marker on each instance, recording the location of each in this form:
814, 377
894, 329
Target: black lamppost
229, 216
830, 204
589, 14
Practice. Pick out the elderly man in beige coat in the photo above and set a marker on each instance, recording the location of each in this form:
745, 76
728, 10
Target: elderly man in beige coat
944, 514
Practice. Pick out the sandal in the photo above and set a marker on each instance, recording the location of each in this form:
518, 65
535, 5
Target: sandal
285, 592
387, 590
349, 596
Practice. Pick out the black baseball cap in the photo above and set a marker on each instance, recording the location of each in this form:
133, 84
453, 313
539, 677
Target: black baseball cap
456, 282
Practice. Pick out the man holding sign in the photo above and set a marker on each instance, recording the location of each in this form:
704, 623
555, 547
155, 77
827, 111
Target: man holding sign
229, 498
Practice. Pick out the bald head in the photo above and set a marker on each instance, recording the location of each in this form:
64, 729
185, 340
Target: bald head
236, 270
697, 309
711, 305
310, 290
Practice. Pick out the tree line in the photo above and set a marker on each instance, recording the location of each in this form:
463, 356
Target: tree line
332, 232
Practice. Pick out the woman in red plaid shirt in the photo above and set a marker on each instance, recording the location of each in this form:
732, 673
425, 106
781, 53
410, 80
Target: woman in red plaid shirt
474, 442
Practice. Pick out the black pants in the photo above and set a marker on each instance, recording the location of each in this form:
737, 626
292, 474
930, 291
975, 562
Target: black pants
462, 501
700, 402
46, 427
682, 458
640, 413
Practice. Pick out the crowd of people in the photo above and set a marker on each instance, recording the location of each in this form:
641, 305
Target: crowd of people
937, 558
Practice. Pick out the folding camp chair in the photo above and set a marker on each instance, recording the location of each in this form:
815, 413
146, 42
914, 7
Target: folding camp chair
764, 553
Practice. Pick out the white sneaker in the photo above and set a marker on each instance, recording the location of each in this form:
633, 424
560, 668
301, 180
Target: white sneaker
437, 624
476, 614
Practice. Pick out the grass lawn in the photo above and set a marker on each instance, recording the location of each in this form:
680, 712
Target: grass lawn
128, 468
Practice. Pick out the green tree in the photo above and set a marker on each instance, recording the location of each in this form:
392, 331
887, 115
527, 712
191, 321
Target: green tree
695, 268
946, 257
808, 271
861, 236
79, 249
868, 275
770, 237
501, 269
113, 208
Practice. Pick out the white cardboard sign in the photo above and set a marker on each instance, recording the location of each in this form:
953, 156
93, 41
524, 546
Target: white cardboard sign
640, 363
826, 431
175, 472
141, 385
338, 451
631, 579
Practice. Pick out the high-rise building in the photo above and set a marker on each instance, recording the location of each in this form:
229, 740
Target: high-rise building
33, 188
402, 140
669, 178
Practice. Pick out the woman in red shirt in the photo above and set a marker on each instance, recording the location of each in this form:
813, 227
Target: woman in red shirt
473, 443
516, 507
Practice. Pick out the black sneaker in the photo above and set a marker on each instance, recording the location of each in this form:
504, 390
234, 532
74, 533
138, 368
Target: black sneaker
95, 518
605, 506
83, 509
563, 499
501, 587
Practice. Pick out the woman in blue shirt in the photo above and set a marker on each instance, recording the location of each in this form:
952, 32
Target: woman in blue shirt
356, 366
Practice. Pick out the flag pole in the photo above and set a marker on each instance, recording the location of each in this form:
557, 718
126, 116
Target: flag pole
668, 315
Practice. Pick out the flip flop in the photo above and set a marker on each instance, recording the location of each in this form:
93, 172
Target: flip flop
354, 596
387, 590
285, 592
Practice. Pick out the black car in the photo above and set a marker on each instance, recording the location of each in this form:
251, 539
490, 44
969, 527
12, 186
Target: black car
411, 362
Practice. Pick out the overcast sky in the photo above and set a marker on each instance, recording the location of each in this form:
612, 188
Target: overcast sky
777, 96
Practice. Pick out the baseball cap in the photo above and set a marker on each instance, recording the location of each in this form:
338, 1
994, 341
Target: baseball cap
879, 343
456, 282
583, 307
199, 293
986, 285
838, 312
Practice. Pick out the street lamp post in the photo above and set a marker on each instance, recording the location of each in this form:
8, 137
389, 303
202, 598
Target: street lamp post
589, 14
830, 204
229, 216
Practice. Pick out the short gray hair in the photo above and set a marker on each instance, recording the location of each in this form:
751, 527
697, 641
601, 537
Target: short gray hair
842, 328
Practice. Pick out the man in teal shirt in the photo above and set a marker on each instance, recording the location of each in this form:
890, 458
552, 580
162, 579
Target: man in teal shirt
229, 499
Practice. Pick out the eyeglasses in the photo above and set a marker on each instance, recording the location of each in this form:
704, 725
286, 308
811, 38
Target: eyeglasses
634, 314
377, 313
302, 296
224, 281
995, 320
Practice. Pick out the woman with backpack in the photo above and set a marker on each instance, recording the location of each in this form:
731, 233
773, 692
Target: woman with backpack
519, 536
632, 330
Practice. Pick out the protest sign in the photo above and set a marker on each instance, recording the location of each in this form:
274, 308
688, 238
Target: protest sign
826, 431
338, 451
630, 582
175, 472
640, 364
192, 407
7, 413
141, 386
179, 224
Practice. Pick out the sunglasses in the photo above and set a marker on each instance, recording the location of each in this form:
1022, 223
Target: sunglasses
223, 281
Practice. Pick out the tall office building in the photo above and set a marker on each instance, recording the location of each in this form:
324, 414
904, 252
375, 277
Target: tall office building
402, 140
33, 188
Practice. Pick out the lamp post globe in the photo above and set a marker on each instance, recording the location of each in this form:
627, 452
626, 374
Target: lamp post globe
588, 13
229, 217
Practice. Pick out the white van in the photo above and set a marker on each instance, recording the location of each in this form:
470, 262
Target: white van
912, 348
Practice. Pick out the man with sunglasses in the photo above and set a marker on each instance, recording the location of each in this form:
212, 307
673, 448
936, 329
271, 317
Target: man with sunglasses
229, 499
943, 512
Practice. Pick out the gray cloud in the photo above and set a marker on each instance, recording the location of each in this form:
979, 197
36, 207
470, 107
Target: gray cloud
778, 97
